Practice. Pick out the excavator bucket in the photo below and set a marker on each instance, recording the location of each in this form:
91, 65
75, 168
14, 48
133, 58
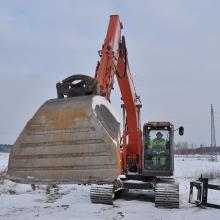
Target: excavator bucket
68, 140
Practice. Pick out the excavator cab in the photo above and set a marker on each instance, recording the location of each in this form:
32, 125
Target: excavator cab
158, 141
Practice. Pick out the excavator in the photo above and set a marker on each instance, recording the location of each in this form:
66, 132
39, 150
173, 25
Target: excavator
75, 138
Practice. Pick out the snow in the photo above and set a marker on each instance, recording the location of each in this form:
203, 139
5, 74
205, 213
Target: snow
19, 201
188, 167
3, 160
99, 100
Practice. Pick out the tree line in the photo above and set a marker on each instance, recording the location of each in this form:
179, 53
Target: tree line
184, 148
5, 148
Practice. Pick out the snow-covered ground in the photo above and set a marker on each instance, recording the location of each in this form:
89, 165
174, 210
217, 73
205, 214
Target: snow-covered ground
18, 201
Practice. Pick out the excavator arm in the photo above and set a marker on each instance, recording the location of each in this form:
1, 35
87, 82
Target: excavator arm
114, 61
105, 69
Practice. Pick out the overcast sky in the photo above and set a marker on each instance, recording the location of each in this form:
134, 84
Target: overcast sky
173, 46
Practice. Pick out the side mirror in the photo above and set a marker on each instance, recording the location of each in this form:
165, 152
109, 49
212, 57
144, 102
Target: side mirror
181, 130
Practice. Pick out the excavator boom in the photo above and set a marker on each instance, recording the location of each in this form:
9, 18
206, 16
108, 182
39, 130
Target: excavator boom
114, 61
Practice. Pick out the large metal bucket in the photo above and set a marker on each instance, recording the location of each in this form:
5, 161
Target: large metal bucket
70, 140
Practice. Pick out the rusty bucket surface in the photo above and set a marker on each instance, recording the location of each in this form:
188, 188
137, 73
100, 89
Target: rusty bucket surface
70, 140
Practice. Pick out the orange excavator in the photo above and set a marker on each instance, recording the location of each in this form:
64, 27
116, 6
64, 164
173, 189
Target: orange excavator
75, 138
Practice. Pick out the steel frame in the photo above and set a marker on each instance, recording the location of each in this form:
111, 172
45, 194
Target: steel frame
202, 187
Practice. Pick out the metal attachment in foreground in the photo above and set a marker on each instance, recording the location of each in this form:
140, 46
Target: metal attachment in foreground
202, 187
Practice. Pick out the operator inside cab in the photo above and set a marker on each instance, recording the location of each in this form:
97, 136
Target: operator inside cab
158, 143
157, 150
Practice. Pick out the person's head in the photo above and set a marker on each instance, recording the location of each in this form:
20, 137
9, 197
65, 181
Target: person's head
159, 135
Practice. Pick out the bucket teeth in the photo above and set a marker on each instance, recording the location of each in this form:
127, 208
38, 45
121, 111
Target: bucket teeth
102, 194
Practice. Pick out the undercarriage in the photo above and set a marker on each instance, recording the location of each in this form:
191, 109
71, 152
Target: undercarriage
166, 191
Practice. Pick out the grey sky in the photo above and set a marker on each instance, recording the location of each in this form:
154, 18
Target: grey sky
174, 53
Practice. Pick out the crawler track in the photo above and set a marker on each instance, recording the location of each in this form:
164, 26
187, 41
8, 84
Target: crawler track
102, 194
167, 195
